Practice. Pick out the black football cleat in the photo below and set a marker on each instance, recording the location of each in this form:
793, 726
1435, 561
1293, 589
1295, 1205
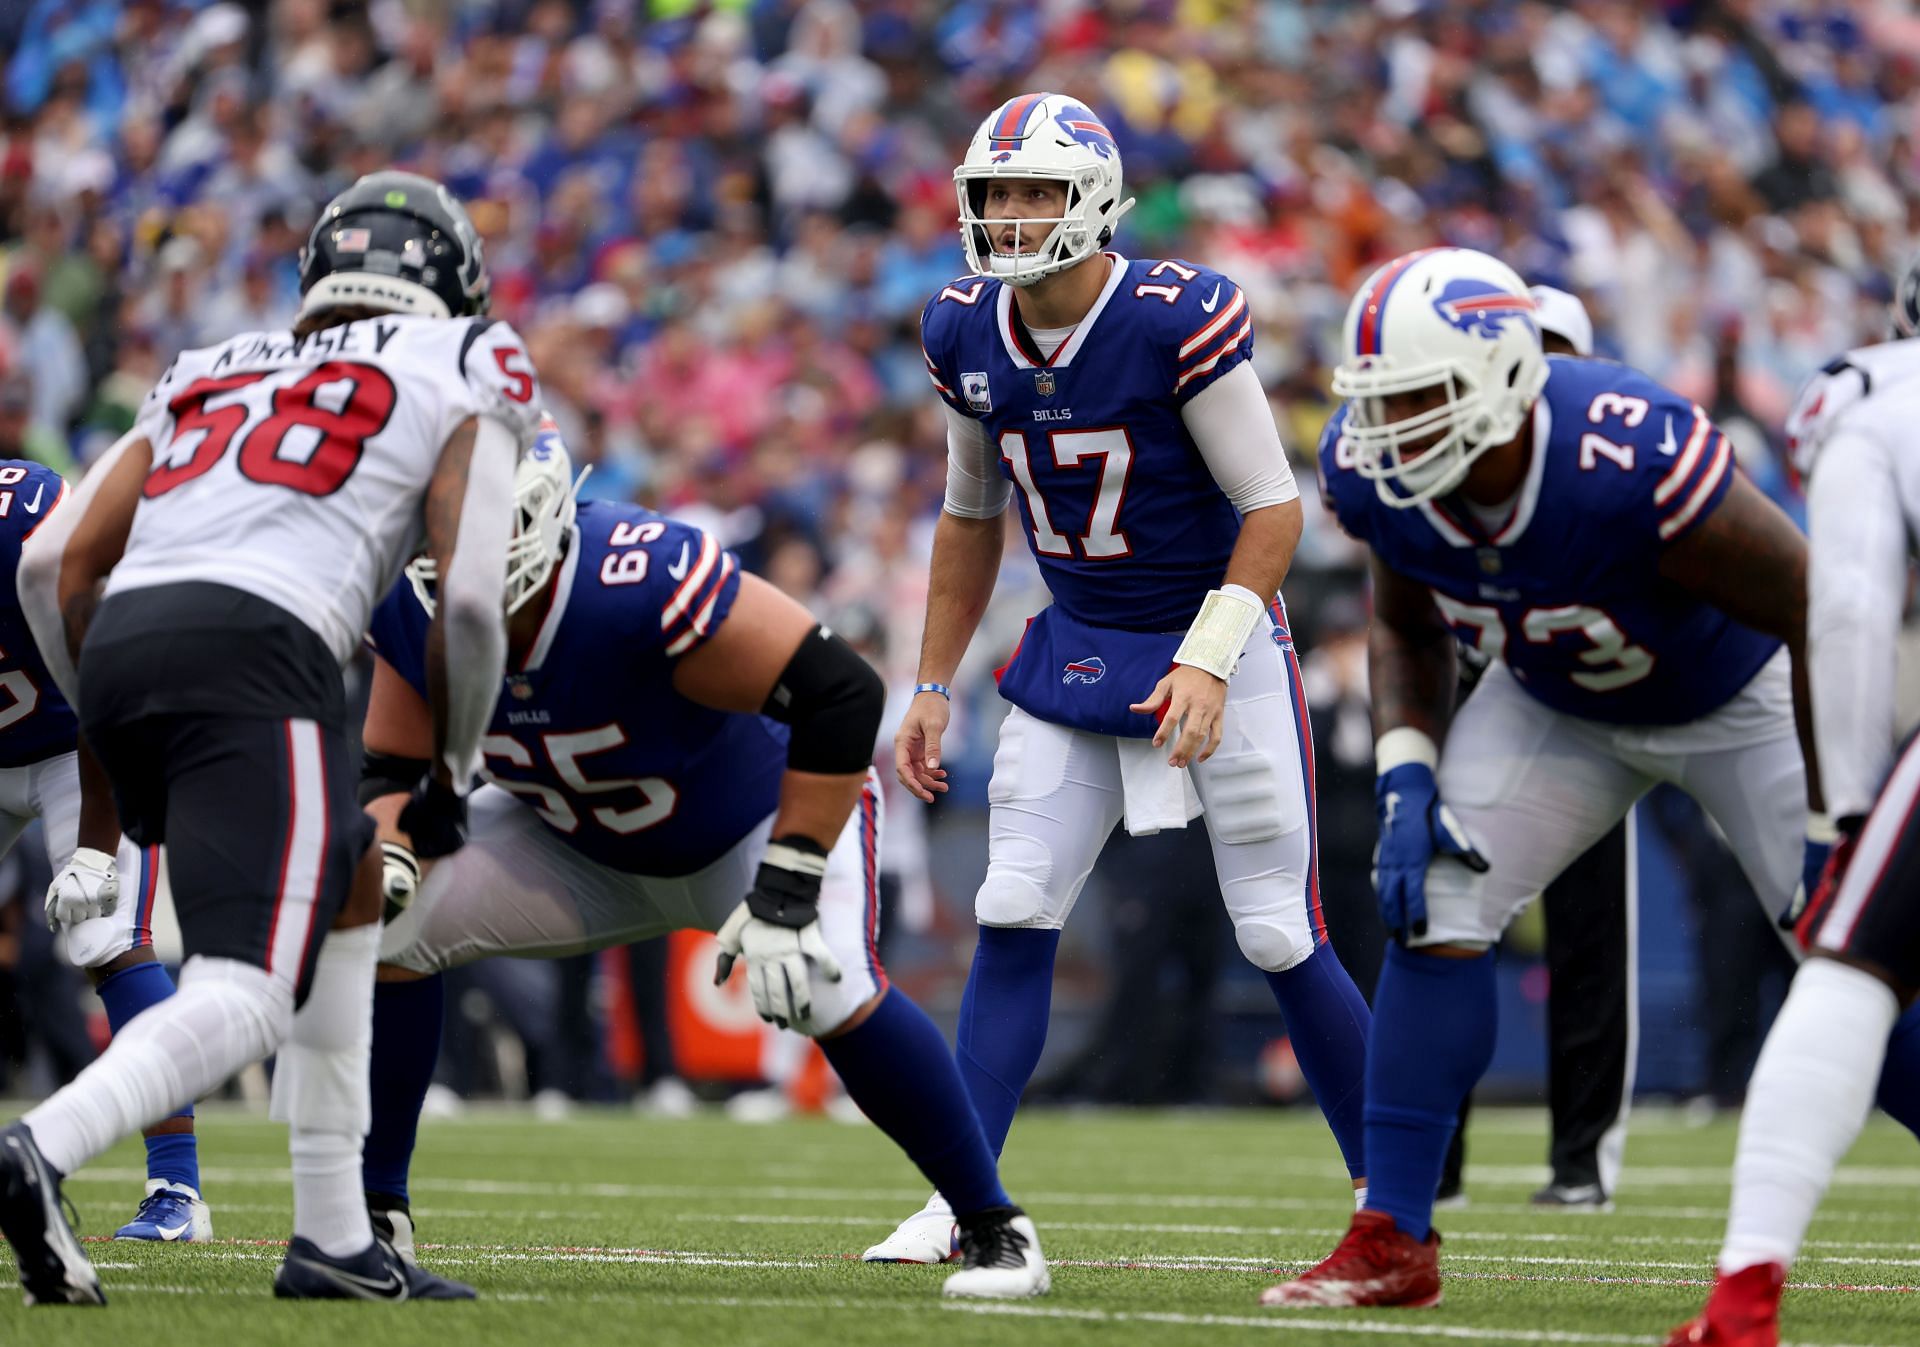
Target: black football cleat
53, 1269
375, 1273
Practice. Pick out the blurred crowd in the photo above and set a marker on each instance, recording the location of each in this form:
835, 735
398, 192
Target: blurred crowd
716, 223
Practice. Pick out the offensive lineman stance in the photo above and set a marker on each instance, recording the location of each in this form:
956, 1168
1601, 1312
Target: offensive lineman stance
1588, 531
1115, 401
677, 736
265, 497
1851, 435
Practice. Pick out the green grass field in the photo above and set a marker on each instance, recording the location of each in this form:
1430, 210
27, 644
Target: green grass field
1163, 1227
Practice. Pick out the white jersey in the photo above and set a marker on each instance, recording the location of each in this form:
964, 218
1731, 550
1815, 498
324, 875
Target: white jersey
295, 469
1851, 434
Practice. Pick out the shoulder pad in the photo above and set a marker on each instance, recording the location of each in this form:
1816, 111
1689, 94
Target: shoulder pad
1840, 385
1199, 315
500, 376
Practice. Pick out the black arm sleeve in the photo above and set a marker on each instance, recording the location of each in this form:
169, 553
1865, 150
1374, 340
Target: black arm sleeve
384, 774
833, 700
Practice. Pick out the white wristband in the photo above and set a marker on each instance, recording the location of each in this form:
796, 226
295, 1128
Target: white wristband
1220, 632
1822, 830
1401, 745
784, 857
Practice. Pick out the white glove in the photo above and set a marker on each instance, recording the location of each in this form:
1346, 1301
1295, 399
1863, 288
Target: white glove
88, 887
776, 965
399, 875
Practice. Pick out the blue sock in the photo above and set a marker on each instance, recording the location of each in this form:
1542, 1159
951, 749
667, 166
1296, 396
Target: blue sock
896, 1067
1327, 1021
173, 1157
1900, 1077
406, 1044
1433, 1025
1003, 1021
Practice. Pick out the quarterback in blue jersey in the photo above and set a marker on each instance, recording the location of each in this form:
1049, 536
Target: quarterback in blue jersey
678, 746
1115, 402
101, 900
1642, 606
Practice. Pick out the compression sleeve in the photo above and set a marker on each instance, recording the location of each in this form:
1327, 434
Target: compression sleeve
471, 606
1232, 425
1856, 589
975, 488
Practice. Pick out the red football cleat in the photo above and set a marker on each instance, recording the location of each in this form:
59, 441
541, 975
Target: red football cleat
1743, 1311
1375, 1265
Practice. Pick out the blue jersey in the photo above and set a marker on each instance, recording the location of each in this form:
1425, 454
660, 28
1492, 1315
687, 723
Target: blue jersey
35, 720
1127, 523
1567, 587
589, 731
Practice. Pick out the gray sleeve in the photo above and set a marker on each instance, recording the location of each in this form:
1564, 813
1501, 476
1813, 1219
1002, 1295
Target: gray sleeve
975, 488
471, 605
1856, 591
1232, 425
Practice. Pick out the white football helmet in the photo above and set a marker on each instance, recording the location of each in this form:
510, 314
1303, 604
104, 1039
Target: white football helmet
544, 490
1041, 136
1442, 318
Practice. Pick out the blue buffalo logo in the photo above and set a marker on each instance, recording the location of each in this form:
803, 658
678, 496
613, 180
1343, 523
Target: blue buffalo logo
1090, 670
1088, 130
1481, 309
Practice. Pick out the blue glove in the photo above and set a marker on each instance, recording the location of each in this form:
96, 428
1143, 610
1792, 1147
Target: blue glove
1821, 836
1414, 828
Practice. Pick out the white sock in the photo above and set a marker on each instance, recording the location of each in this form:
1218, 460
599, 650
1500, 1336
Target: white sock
320, 1089
1810, 1093
224, 1015
1360, 1198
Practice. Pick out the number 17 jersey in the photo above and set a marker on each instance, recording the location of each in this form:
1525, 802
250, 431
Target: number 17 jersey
1126, 520
294, 468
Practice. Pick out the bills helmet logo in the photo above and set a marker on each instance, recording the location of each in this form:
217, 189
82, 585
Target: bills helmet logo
1090, 670
1087, 129
1481, 309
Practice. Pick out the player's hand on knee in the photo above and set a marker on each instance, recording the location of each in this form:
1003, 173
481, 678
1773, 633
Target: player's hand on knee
1823, 864
777, 931
916, 748
435, 819
87, 886
1415, 827
1195, 705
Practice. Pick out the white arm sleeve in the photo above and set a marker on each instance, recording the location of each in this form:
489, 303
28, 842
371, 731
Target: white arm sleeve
975, 488
1857, 587
1233, 426
471, 606
37, 580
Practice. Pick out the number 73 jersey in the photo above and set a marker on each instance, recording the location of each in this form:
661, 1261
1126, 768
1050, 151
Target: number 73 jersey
1566, 588
294, 468
1122, 513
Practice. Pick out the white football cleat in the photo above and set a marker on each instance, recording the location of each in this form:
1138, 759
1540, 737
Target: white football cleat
1002, 1260
927, 1236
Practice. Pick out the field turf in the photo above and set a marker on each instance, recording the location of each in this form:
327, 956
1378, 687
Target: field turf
1163, 1227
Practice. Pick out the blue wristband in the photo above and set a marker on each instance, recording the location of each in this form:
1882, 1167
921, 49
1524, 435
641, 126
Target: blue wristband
940, 688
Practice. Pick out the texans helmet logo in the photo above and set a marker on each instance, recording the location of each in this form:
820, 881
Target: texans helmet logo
1481, 309
1090, 670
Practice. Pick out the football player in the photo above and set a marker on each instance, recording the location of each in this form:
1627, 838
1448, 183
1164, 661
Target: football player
44, 775
680, 746
1642, 605
1850, 433
196, 603
1114, 400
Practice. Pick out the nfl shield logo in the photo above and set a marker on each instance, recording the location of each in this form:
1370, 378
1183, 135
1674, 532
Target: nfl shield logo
521, 688
1043, 383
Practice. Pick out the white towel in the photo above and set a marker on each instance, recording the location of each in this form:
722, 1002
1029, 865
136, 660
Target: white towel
1154, 794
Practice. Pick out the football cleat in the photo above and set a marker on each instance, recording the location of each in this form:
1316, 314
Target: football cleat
171, 1213
927, 1236
392, 1221
1000, 1257
375, 1273
1374, 1266
1582, 1197
53, 1269
1743, 1311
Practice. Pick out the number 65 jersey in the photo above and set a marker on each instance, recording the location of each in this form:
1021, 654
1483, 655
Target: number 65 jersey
294, 468
1566, 587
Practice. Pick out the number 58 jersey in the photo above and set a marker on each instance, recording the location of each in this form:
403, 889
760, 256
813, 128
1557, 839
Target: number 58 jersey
294, 468
1566, 587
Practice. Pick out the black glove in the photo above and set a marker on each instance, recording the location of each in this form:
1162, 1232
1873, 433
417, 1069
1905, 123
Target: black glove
435, 817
